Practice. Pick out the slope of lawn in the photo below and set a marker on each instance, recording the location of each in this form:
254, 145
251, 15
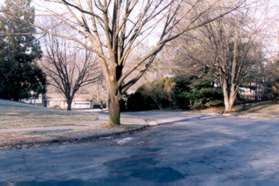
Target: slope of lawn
20, 115
266, 110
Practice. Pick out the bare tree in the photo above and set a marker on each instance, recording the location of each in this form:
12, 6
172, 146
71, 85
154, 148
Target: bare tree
69, 68
235, 47
113, 29
228, 47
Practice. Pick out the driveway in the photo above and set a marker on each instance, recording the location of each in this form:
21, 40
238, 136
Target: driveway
211, 150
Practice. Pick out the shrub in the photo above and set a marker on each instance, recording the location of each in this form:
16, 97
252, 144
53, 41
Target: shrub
152, 96
140, 102
275, 90
195, 94
175, 93
181, 93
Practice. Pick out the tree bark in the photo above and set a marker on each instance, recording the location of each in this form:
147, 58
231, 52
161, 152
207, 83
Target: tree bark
230, 89
114, 110
229, 103
44, 100
69, 104
226, 96
229, 96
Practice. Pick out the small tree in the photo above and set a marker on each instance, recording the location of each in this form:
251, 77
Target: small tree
69, 68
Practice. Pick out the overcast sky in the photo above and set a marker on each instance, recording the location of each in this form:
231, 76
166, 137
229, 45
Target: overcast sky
273, 14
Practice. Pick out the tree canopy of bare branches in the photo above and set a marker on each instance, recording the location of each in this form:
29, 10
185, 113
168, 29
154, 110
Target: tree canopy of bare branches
113, 29
69, 68
229, 47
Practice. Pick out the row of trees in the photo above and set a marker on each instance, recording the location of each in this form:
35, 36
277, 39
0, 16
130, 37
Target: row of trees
217, 39
113, 30
26, 69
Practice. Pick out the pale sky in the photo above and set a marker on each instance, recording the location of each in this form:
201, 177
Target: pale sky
273, 15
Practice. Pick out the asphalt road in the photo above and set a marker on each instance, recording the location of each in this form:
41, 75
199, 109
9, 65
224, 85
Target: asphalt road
199, 151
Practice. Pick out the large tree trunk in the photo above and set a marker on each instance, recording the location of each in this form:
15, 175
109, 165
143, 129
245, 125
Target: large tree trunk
69, 104
229, 96
114, 96
228, 107
114, 110
229, 103
44, 100
230, 89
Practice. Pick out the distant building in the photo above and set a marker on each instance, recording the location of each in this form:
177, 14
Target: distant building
94, 96
253, 92
81, 101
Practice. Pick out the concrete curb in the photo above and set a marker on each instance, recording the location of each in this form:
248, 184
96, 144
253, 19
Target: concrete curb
263, 117
79, 137
73, 139
165, 121
178, 119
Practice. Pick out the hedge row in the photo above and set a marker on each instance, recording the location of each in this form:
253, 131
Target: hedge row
174, 93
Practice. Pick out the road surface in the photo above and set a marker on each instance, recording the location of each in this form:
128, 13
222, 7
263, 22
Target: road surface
202, 150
